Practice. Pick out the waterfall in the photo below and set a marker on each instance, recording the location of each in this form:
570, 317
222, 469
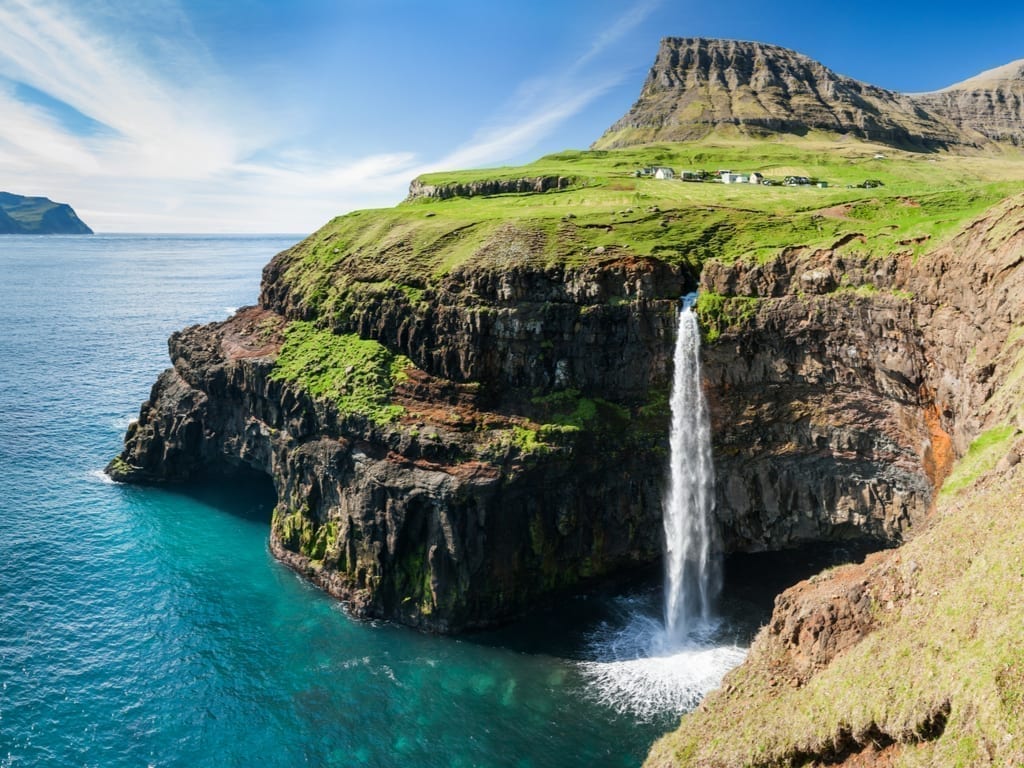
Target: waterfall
646, 666
692, 573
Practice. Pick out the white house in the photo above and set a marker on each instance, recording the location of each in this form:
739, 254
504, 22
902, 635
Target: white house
661, 172
756, 178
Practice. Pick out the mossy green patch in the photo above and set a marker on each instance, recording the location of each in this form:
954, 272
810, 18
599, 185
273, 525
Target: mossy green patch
119, 466
718, 313
300, 533
982, 455
357, 375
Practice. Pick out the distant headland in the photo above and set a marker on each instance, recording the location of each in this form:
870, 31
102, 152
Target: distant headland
20, 215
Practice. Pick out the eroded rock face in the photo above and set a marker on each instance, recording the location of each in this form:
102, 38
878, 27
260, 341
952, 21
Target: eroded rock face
604, 329
449, 518
841, 400
534, 185
841, 388
697, 84
991, 103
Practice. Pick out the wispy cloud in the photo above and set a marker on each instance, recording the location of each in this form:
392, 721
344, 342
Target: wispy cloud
156, 128
543, 104
626, 23
176, 143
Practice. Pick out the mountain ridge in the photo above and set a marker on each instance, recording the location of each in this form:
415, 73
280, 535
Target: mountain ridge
699, 86
991, 102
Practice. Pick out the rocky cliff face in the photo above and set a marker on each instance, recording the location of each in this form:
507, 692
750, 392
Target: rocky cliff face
519, 464
844, 386
867, 664
698, 84
532, 185
991, 103
528, 450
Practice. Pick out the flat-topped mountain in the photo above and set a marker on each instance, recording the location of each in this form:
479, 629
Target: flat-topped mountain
991, 103
700, 85
20, 215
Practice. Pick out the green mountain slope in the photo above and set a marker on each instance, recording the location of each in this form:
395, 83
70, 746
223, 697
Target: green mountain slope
20, 215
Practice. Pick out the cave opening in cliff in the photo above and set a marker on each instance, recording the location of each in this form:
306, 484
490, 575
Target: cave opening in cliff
242, 492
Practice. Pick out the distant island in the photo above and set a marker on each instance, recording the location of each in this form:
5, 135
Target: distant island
20, 215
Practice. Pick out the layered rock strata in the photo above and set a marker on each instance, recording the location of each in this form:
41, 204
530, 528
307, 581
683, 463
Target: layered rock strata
528, 451
483, 187
991, 103
843, 386
697, 85
519, 466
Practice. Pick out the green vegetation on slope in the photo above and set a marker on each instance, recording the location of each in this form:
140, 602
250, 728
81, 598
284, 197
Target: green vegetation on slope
358, 375
20, 215
925, 199
982, 455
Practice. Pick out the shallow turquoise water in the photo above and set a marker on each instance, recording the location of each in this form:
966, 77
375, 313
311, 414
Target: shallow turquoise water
143, 626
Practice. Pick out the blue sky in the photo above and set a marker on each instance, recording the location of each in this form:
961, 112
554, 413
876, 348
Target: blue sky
274, 116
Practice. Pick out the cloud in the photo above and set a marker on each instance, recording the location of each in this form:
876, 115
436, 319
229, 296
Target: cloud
156, 128
617, 30
177, 140
543, 104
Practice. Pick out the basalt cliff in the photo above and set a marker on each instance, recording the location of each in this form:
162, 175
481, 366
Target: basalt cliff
463, 403
698, 86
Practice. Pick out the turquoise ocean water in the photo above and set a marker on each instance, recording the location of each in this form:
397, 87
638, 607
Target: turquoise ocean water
151, 627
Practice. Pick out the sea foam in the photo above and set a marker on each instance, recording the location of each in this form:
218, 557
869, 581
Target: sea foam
637, 670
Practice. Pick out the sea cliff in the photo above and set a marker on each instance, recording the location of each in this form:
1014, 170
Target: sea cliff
21, 215
508, 458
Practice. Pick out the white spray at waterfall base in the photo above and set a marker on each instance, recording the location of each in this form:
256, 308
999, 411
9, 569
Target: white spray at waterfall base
647, 667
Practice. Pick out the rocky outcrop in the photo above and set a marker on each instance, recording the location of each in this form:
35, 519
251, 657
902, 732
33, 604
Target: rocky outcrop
504, 482
991, 103
844, 386
418, 189
697, 85
20, 215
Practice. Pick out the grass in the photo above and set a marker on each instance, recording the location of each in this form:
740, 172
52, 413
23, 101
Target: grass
410, 248
357, 375
982, 455
718, 313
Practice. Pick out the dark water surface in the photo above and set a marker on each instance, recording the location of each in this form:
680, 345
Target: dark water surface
151, 627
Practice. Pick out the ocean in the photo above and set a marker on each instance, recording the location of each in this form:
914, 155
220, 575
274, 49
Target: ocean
151, 626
